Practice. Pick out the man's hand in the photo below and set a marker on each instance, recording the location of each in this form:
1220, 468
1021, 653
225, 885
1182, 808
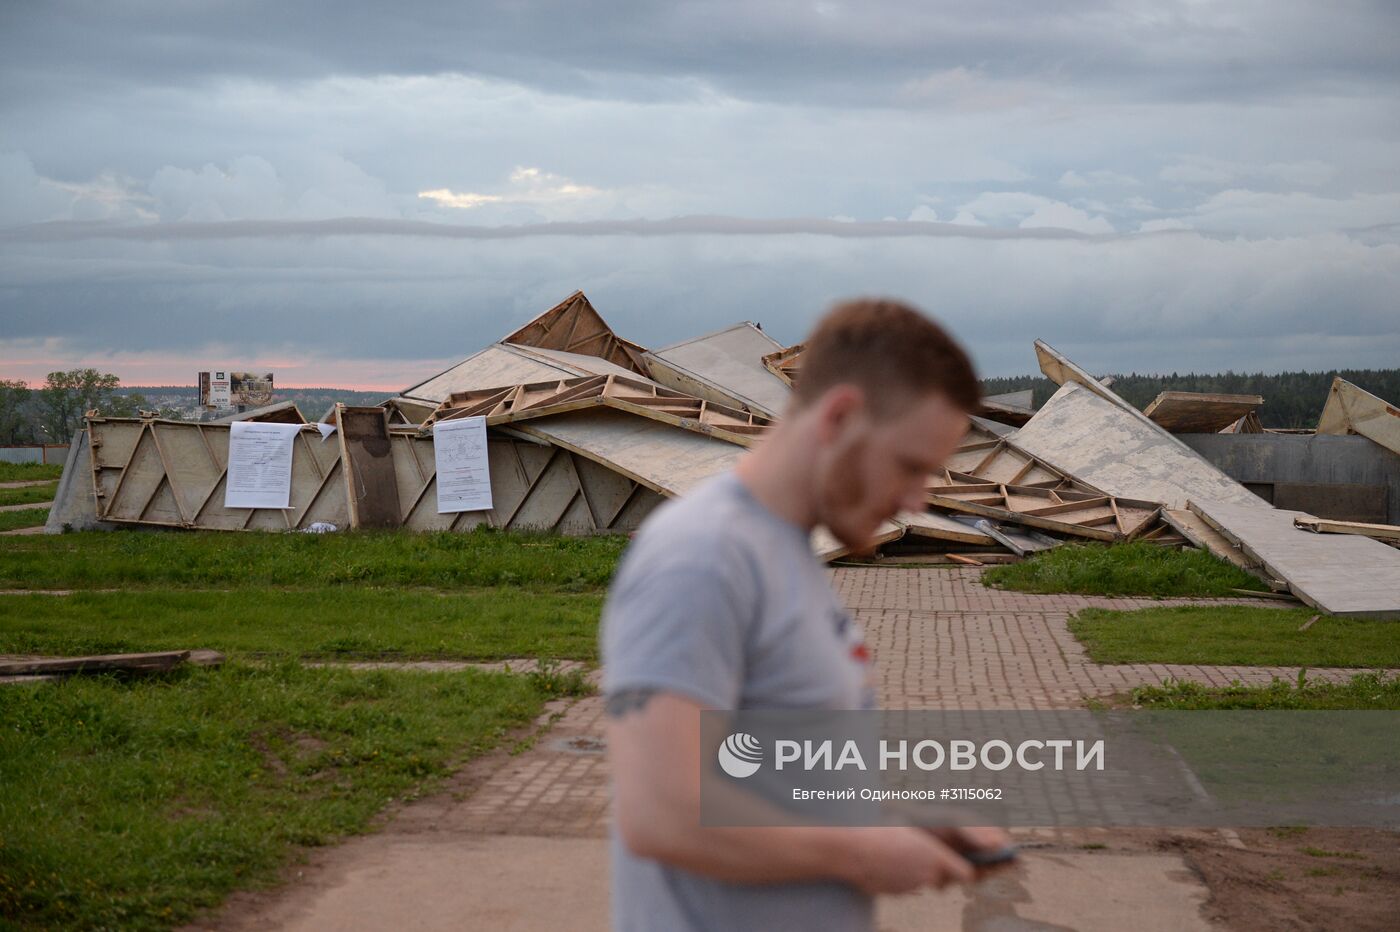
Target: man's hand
898, 859
965, 838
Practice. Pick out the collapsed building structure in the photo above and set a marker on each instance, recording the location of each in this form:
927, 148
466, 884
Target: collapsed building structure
588, 432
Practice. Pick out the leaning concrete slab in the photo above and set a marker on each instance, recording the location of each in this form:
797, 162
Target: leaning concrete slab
1097, 441
1338, 573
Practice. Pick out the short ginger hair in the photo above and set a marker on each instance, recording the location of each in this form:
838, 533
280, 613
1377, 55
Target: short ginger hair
888, 349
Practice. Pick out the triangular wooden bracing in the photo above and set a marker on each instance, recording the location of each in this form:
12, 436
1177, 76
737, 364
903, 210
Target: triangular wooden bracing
540, 399
575, 326
147, 471
785, 363
992, 477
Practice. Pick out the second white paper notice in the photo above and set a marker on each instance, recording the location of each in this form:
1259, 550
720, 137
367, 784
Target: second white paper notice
259, 465
463, 472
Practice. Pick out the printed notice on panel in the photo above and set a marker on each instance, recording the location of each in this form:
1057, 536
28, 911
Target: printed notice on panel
260, 465
463, 475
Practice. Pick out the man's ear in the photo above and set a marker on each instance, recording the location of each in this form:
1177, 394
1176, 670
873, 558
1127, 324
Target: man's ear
836, 408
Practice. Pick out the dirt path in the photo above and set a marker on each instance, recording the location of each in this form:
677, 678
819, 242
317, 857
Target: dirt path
519, 842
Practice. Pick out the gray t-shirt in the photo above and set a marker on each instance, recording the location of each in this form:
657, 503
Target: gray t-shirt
721, 601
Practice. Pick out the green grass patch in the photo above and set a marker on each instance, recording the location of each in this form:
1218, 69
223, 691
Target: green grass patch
211, 559
1372, 691
135, 804
1137, 568
1240, 635
29, 472
14, 520
349, 623
28, 494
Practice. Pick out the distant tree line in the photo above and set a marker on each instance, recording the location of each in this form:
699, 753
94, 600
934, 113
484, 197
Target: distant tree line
1291, 399
54, 412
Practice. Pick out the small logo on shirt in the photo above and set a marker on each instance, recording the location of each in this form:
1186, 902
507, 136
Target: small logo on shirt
740, 755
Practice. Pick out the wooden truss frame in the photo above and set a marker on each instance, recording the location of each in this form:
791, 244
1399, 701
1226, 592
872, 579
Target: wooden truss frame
172, 474
991, 476
575, 326
785, 363
516, 403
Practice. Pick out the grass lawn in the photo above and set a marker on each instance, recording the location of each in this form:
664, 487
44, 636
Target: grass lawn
134, 804
29, 472
327, 623
1366, 691
14, 520
28, 494
1238, 635
211, 559
1123, 569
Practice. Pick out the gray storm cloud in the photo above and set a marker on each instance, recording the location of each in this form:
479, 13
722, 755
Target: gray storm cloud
1167, 184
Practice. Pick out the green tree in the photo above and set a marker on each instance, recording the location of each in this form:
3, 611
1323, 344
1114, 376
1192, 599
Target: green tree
16, 423
67, 396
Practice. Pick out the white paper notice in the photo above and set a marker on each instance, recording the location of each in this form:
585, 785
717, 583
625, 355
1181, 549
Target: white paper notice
463, 474
259, 465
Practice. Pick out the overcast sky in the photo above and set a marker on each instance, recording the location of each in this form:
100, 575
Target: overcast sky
359, 193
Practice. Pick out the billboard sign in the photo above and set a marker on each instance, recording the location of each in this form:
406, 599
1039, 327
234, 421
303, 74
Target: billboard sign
223, 388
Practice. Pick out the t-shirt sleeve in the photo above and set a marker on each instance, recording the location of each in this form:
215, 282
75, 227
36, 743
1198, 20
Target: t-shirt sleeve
678, 629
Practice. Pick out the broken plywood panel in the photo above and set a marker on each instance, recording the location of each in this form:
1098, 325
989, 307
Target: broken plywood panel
937, 526
664, 458
1352, 410
1338, 573
494, 365
575, 362
1200, 412
1201, 535
575, 326
725, 367
1012, 408
1122, 453
826, 547
1062, 371
516, 403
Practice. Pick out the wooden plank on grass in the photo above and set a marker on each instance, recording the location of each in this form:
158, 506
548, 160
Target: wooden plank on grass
104, 663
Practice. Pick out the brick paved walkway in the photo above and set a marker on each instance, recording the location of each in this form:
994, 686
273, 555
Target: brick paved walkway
940, 639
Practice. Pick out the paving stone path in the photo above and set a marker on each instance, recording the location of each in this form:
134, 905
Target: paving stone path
940, 639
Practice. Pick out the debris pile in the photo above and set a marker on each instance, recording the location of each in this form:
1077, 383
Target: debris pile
587, 432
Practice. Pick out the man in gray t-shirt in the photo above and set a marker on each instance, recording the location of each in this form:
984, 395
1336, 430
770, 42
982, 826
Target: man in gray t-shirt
720, 604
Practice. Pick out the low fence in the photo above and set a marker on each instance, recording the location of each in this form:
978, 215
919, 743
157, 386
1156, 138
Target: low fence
35, 453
